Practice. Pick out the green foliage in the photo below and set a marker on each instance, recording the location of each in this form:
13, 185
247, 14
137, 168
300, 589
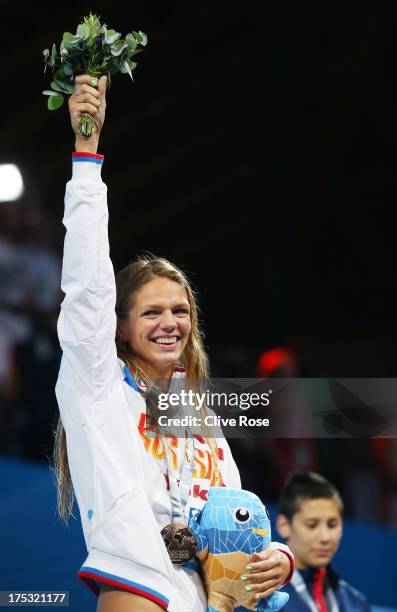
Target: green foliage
93, 49
55, 101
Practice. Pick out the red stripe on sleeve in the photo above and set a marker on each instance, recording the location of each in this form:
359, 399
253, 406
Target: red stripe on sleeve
82, 154
86, 576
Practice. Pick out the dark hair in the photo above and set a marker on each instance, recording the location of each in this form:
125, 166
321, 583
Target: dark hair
305, 485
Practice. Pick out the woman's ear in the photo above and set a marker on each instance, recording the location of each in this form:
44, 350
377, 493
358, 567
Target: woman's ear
121, 330
283, 526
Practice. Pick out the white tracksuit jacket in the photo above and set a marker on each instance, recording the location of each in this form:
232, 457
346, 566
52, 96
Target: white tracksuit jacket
118, 471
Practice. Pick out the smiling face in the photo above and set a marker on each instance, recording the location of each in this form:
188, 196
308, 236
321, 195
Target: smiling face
158, 326
314, 532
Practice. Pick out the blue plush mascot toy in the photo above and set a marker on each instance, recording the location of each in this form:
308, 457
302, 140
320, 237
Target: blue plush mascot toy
232, 525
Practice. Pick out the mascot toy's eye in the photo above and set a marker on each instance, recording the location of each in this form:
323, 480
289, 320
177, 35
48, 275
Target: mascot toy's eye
242, 515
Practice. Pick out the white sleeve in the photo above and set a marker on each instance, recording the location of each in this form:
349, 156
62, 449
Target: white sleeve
87, 321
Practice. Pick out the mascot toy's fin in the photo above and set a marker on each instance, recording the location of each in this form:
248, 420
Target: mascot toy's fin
201, 538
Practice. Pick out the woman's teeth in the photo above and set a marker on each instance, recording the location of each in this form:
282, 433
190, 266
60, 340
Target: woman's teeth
169, 340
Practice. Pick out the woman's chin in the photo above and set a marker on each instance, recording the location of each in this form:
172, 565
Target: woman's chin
165, 362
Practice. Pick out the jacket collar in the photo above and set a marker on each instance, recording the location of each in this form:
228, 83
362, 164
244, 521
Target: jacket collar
139, 385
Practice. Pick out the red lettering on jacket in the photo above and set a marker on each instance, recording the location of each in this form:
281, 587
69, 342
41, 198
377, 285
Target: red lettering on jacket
201, 493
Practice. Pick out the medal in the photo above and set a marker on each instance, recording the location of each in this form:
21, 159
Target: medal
180, 543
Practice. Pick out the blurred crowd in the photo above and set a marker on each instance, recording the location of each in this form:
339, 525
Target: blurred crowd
30, 295
363, 469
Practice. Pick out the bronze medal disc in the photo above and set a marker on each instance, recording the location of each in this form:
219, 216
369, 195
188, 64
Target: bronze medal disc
179, 542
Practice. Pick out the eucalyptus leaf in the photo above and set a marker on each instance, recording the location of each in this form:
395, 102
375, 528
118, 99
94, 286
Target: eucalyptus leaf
62, 86
125, 69
48, 92
74, 46
55, 102
69, 41
73, 42
118, 48
68, 68
56, 86
111, 36
83, 31
59, 75
143, 40
67, 38
131, 42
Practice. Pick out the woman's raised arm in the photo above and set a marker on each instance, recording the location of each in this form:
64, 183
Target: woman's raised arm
87, 322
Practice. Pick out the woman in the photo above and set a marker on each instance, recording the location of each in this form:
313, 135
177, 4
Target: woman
121, 470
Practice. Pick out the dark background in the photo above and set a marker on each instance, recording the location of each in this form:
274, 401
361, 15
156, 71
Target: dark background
255, 149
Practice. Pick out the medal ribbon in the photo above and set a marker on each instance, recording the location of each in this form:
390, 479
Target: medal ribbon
179, 493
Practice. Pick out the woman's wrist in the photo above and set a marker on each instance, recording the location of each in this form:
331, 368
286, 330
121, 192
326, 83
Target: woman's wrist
86, 145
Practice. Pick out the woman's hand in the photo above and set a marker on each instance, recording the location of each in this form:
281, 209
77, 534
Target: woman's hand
269, 571
87, 99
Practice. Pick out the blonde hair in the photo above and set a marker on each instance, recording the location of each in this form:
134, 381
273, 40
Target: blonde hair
194, 360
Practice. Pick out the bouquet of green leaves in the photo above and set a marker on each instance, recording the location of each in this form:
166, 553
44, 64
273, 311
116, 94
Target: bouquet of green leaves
94, 50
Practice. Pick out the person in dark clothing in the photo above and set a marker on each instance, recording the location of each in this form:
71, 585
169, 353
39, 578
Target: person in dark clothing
310, 520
